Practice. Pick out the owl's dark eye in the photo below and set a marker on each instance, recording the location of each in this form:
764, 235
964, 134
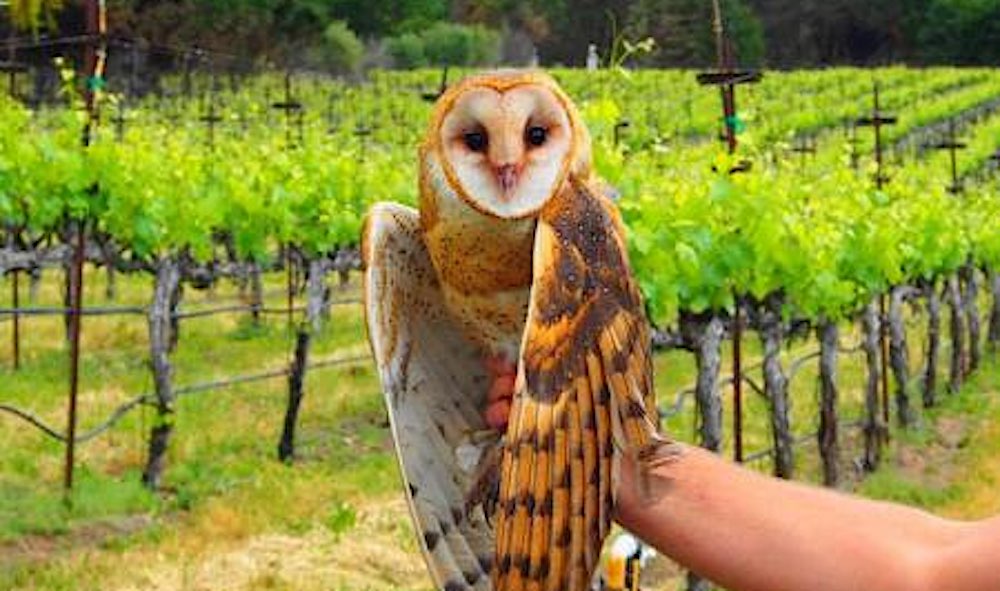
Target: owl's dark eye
536, 135
476, 141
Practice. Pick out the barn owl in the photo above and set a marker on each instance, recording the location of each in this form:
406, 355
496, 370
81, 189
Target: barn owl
510, 340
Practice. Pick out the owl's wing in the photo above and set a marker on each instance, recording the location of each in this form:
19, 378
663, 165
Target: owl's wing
584, 391
434, 386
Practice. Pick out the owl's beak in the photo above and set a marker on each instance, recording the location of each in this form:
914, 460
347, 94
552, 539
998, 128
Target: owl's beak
507, 177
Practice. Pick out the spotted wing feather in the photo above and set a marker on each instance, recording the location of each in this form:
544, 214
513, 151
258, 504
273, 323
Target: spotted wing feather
434, 385
584, 395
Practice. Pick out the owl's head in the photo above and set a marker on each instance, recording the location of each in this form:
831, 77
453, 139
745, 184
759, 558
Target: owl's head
506, 141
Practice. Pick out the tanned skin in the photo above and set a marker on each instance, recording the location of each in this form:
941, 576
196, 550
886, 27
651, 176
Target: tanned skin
749, 532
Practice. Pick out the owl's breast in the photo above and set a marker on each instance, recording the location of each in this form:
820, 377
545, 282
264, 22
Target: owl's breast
473, 253
480, 260
484, 266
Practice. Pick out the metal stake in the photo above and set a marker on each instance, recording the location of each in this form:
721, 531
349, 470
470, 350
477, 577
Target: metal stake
619, 130
737, 384
94, 61
804, 146
953, 146
211, 118
726, 77
290, 285
877, 120
431, 97
291, 107
16, 301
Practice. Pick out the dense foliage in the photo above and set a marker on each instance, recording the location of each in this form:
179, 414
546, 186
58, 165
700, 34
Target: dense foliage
812, 229
783, 33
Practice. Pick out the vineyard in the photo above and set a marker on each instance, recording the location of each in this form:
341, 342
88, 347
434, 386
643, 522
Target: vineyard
816, 293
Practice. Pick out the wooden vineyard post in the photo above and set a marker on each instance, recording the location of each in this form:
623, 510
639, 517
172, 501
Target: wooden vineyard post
993, 331
211, 118
829, 447
930, 289
956, 369
256, 291
727, 78
15, 298
316, 284
804, 147
971, 299
967, 274
76, 295
853, 141
363, 133
877, 120
16, 333
94, 62
952, 144
776, 386
119, 120
161, 314
873, 426
175, 321
289, 287
993, 276
899, 356
292, 108
12, 68
737, 382
705, 332
66, 234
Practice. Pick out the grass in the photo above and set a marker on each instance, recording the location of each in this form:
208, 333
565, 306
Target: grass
222, 482
949, 464
233, 516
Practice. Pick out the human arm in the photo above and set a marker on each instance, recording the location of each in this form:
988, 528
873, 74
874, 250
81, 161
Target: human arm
748, 532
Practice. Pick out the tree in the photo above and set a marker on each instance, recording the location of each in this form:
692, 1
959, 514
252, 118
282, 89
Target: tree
342, 50
683, 30
961, 32
823, 32
575, 24
407, 51
33, 14
445, 44
381, 18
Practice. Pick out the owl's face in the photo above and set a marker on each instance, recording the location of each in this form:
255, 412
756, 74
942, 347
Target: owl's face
507, 140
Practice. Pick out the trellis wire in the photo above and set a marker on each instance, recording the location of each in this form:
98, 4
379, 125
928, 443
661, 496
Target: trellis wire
139, 310
142, 399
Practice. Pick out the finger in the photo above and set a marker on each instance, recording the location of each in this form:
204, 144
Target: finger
502, 387
497, 414
499, 365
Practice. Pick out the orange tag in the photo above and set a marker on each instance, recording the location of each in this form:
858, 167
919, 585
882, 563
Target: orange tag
616, 573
